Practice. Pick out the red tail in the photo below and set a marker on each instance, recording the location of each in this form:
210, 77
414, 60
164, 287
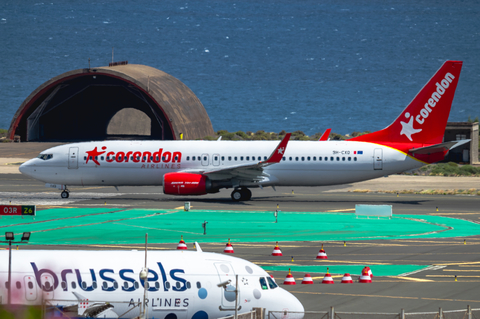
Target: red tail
424, 120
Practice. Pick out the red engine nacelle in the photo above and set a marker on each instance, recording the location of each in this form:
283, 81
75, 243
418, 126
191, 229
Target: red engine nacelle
186, 184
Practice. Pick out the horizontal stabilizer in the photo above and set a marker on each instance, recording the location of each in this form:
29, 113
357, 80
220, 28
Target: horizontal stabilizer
442, 147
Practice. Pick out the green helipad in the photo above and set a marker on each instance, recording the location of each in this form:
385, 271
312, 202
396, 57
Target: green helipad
128, 226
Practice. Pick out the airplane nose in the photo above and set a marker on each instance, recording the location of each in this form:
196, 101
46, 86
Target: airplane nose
25, 168
289, 303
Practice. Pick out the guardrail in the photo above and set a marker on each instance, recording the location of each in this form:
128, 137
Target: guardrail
468, 313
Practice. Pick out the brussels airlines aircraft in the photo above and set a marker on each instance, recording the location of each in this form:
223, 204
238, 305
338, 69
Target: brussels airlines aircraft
414, 139
181, 284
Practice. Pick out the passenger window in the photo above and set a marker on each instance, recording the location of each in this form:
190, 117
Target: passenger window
241, 158
163, 158
189, 285
94, 285
331, 158
102, 158
263, 283
63, 284
271, 283
343, 158
125, 285
115, 285
315, 158
290, 158
248, 158
235, 158
74, 285
105, 285
30, 285
136, 285
349, 158
188, 158
354, 159
199, 285
215, 158
151, 158
84, 284
223, 158
84, 158
338, 158
18, 284
167, 285
308, 158
157, 285
303, 158
284, 158
325, 158
47, 285
264, 158
204, 158
229, 158
178, 285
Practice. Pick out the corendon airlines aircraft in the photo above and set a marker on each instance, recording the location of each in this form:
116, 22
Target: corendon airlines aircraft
181, 284
414, 139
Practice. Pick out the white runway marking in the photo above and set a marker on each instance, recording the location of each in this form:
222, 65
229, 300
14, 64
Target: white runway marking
49, 198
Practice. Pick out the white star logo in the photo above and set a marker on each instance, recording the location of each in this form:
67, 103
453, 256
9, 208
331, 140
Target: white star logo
407, 128
280, 150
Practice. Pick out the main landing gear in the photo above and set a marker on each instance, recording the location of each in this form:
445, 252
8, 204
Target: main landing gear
241, 194
65, 193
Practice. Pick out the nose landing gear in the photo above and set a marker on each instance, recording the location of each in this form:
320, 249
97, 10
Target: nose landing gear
241, 194
65, 193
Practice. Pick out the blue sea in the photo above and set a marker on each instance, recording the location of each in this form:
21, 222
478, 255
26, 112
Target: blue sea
255, 65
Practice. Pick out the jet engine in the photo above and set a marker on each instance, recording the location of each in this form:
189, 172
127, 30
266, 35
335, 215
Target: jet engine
187, 184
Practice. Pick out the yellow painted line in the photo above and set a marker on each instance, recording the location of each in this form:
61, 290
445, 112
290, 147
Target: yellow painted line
339, 210
456, 270
380, 296
181, 207
458, 264
454, 213
410, 278
452, 276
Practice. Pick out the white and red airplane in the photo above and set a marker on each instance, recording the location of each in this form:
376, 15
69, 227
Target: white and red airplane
414, 139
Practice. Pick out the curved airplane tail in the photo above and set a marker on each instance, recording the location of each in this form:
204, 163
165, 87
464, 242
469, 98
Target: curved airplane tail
424, 120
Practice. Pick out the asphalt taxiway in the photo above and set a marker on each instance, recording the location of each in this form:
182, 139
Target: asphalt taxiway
431, 287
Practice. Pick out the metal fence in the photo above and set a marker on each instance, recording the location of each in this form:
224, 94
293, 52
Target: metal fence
468, 313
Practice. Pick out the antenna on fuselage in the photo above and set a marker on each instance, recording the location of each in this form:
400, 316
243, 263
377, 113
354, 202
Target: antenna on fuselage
199, 249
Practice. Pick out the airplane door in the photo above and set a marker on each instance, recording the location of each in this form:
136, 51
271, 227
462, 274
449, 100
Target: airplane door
205, 159
73, 158
30, 288
47, 285
216, 159
378, 159
225, 272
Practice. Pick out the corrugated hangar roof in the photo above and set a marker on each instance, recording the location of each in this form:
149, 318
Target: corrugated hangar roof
80, 105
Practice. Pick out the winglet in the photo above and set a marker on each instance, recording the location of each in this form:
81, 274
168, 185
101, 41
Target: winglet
325, 135
277, 154
199, 249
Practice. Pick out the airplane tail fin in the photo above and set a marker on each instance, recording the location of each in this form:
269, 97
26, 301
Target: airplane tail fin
424, 120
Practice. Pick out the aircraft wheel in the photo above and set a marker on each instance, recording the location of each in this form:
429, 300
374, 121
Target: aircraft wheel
65, 194
246, 194
237, 195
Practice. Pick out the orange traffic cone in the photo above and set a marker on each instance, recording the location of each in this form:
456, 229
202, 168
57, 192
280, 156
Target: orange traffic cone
289, 280
369, 271
322, 254
181, 244
277, 251
347, 279
307, 280
228, 248
365, 277
327, 279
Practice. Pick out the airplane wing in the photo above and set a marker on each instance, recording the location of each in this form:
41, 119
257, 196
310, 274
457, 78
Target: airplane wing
442, 147
250, 172
325, 135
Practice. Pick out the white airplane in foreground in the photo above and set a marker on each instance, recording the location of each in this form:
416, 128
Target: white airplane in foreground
414, 139
181, 284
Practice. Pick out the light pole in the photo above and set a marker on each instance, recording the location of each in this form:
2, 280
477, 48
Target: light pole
236, 291
144, 277
10, 237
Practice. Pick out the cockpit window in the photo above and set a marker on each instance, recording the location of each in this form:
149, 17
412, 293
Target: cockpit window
45, 156
263, 283
271, 283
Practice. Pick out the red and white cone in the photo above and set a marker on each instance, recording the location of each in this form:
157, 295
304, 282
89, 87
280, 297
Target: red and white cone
228, 248
347, 279
307, 280
277, 251
365, 277
289, 280
272, 277
322, 254
181, 244
327, 279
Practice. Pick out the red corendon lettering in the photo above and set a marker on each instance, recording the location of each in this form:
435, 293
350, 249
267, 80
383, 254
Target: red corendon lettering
157, 156
119, 157
146, 155
136, 157
108, 157
128, 156
177, 157
167, 157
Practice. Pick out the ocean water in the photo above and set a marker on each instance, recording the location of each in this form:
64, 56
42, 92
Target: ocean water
255, 65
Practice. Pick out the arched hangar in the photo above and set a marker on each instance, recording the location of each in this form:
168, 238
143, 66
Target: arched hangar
127, 101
